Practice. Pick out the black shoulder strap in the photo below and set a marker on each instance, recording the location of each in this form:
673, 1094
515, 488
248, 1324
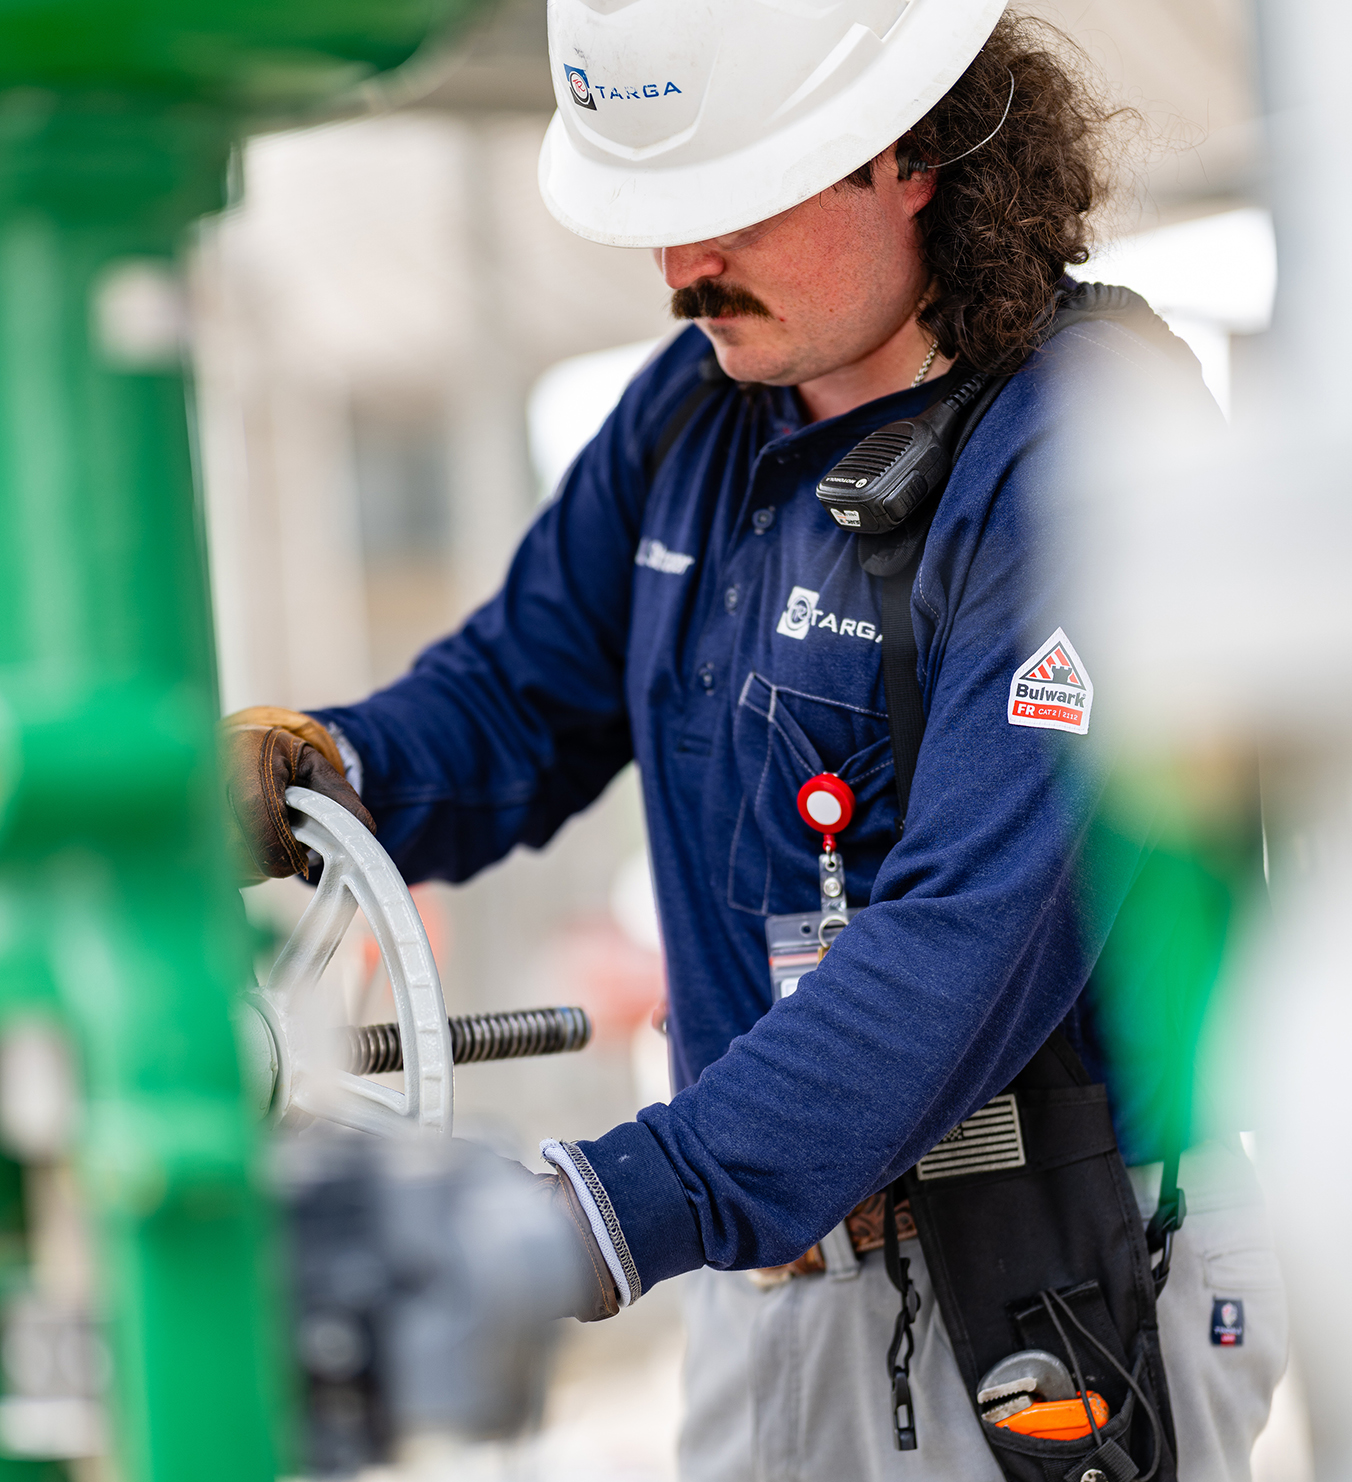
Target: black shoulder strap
901, 655
896, 558
901, 685
711, 381
1084, 301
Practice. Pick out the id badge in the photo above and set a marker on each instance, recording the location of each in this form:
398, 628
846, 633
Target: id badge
798, 943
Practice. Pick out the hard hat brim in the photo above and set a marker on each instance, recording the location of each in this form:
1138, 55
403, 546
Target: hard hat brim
624, 203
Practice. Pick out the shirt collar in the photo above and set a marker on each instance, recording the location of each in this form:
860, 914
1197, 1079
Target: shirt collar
788, 426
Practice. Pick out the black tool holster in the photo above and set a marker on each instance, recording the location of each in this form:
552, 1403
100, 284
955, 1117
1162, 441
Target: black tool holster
1065, 1222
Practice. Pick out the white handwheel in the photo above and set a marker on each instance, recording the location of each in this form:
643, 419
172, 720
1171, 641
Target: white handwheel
309, 1084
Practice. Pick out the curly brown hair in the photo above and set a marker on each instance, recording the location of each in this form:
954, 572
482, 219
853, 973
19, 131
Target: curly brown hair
1006, 220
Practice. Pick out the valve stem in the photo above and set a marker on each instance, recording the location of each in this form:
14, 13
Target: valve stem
375, 1048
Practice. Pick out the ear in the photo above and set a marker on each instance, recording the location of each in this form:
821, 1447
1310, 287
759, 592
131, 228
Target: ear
907, 176
919, 187
913, 170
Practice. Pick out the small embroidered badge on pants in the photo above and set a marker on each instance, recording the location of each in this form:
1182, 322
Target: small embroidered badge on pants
1227, 1322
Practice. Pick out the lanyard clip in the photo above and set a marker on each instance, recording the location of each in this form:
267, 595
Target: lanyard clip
827, 804
903, 1416
831, 879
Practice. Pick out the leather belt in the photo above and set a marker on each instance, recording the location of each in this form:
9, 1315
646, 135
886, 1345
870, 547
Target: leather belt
865, 1226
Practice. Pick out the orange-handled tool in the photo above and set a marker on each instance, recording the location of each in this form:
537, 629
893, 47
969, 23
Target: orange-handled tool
1057, 1420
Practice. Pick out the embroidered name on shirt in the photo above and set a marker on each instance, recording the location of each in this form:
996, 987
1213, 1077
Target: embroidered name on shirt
656, 557
801, 615
1052, 691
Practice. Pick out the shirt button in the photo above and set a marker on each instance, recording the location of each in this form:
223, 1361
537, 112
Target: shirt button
762, 519
731, 598
706, 678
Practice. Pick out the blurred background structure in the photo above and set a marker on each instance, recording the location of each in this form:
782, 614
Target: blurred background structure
399, 352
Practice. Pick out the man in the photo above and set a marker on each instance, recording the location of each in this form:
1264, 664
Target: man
856, 204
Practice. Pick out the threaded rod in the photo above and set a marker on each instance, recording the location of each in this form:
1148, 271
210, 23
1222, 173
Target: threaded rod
375, 1048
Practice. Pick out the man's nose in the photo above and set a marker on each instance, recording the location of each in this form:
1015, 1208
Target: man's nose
682, 266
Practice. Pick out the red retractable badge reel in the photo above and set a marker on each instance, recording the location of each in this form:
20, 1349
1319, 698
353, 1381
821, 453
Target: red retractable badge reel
826, 804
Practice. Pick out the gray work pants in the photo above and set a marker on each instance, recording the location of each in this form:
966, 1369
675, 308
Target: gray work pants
789, 1384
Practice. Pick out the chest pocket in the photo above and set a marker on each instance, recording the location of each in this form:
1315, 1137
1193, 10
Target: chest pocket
780, 738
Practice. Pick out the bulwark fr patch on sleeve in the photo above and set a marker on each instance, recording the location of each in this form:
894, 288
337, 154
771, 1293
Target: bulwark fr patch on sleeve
1052, 690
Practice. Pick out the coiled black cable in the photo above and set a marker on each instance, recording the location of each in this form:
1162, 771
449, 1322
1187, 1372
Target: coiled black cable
375, 1048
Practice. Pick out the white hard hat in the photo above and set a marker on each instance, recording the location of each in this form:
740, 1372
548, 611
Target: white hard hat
681, 120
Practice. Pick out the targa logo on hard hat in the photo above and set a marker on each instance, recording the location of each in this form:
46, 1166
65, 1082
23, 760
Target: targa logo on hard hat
580, 87
711, 117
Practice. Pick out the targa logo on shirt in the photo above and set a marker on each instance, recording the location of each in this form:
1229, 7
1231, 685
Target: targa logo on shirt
1052, 691
796, 618
801, 615
580, 87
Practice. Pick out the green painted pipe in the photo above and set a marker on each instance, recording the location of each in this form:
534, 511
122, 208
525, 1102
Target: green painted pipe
116, 122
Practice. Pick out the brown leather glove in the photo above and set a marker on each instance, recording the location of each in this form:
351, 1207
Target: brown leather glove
600, 1297
265, 751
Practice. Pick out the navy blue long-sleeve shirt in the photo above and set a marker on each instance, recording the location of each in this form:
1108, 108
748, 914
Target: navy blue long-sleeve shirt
712, 623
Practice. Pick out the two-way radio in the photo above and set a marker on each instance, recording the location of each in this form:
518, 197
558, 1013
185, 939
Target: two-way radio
894, 472
883, 480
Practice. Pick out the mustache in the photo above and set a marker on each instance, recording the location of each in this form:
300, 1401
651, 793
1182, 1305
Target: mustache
708, 299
